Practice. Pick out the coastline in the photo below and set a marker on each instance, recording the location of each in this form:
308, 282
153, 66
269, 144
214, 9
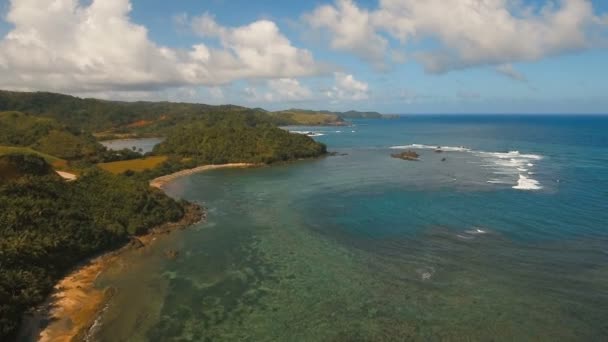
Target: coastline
163, 180
73, 307
75, 303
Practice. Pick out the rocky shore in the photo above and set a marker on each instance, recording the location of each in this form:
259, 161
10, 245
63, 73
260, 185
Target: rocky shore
406, 155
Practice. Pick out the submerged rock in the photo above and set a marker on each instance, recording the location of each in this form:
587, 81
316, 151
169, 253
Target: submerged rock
406, 155
171, 254
444, 159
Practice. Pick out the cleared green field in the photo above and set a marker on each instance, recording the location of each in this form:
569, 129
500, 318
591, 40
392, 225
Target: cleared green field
136, 165
57, 163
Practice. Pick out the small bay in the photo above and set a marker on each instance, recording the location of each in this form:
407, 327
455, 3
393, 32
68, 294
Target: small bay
499, 232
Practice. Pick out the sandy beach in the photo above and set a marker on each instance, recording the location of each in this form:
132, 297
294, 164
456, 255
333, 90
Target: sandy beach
76, 301
161, 181
72, 308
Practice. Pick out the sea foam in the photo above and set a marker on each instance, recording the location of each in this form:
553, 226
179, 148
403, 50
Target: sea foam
507, 167
309, 133
525, 183
431, 147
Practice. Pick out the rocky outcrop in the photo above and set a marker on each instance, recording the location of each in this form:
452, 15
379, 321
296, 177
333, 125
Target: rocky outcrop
406, 155
171, 254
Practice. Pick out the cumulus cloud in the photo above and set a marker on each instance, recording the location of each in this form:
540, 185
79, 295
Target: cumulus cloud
255, 50
346, 87
289, 89
509, 71
351, 30
279, 90
64, 45
469, 32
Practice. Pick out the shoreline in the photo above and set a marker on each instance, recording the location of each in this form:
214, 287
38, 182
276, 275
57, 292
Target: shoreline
163, 180
75, 304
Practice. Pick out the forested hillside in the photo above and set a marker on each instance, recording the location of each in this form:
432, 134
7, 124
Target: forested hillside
149, 118
46, 135
48, 225
218, 139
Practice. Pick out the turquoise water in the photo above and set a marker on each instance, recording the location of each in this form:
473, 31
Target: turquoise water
505, 240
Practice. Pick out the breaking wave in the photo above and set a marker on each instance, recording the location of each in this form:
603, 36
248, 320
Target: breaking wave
508, 167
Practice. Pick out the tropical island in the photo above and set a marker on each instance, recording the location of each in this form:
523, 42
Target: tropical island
66, 198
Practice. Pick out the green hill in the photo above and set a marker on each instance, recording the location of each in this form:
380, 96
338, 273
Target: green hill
322, 117
54, 161
14, 166
49, 225
236, 138
117, 118
96, 115
307, 118
46, 135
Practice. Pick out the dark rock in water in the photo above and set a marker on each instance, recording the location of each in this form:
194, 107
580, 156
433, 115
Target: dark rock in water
337, 154
171, 254
406, 155
438, 150
136, 243
444, 159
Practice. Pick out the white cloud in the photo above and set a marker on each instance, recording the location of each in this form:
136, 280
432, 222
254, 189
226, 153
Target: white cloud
469, 32
289, 89
257, 50
64, 45
509, 71
279, 90
348, 88
351, 30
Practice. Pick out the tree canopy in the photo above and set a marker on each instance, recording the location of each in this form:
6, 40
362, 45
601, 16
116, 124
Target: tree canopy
48, 225
239, 137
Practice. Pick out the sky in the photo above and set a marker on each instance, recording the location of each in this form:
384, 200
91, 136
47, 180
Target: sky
392, 56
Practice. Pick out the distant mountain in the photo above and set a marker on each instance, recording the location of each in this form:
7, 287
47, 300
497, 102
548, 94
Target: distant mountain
353, 114
296, 116
307, 118
96, 115
109, 118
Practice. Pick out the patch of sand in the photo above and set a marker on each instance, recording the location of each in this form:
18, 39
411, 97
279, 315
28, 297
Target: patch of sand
161, 181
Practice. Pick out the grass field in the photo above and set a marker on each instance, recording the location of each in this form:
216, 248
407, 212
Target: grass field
57, 163
136, 165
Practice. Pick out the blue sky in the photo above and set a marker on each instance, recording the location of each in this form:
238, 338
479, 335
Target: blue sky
406, 56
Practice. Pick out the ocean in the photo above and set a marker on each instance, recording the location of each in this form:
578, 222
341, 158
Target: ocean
502, 236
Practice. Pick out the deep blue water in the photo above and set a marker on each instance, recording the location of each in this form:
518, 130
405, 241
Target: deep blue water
571, 169
501, 236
